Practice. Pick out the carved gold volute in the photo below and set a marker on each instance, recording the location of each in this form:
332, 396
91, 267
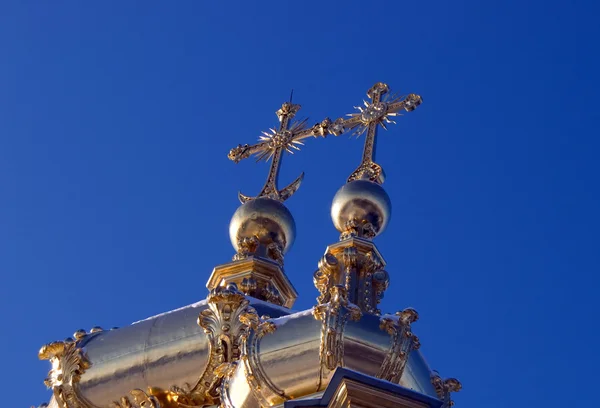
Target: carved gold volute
69, 362
403, 341
226, 323
443, 388
333, 316
137, 399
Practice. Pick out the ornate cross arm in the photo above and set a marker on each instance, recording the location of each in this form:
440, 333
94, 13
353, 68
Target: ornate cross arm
241, 152
271, 145
379, 111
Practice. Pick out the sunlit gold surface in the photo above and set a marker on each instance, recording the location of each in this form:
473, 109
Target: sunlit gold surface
256, 277
299, 342
266, 219
173, 350
261, 231
165, 351
226, 322
361, 208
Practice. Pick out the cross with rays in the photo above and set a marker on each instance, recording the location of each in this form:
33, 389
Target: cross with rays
368, 118
271, 145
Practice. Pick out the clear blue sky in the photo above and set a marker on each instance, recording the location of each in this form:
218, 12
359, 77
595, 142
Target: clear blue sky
116, 192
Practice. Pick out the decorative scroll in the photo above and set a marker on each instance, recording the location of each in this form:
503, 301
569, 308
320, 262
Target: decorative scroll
226, 322
403, 342
356, 228
443, 388
333, 316
246, 247
137, 399
227, 373
260, 383
325, 277
69, 362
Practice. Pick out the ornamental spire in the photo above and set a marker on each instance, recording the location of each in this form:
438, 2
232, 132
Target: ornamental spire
361, 210
271, 145
262, 229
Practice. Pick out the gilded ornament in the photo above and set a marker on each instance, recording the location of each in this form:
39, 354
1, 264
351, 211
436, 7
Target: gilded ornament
350, 278
137, 399
326, 276
443, 388
248, 286
260, 382
356, 265
246, 246
288, 137
68, 364
226, 322
333, 316
256, 276
403, 342
374, 283
275, 252
378, 112
79, 334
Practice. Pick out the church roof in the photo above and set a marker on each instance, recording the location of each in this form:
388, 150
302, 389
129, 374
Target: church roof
244, 346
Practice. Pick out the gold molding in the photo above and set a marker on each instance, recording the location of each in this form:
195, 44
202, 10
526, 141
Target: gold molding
260, 383
257, 277
261, 386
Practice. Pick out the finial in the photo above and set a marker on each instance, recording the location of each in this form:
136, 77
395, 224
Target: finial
271, 145
443, 388
362, 208
377, 112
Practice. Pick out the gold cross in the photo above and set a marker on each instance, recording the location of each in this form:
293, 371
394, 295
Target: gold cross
271, 146
374, 113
